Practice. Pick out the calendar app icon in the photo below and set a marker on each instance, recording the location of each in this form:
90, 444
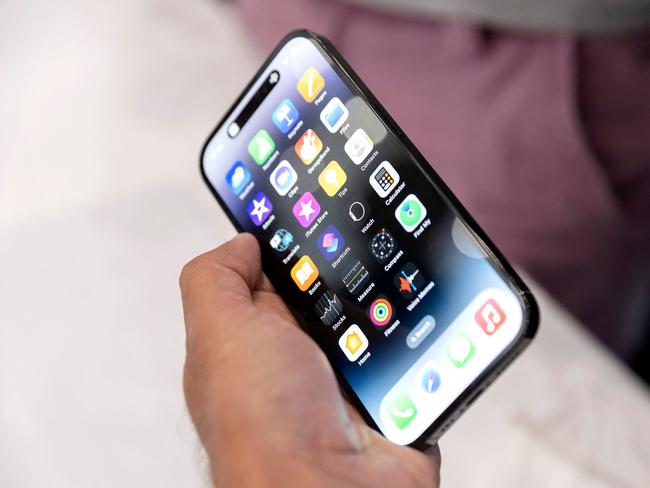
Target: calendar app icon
384, 179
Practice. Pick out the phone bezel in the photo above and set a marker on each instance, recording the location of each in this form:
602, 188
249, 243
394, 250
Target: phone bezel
518, 287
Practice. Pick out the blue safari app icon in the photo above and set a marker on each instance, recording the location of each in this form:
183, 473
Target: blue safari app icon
285, 117
238, 177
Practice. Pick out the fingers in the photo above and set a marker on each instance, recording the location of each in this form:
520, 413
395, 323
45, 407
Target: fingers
216, 285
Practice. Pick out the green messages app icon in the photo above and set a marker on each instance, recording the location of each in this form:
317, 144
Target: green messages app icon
261, 147
402, 411
460, 350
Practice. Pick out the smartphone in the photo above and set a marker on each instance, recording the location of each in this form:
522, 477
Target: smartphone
415, 308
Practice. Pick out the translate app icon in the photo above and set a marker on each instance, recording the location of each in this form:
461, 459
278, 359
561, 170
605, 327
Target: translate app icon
238, 177
330, 243
285, 117
259, 208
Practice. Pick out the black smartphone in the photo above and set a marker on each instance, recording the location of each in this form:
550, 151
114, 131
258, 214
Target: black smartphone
414, 307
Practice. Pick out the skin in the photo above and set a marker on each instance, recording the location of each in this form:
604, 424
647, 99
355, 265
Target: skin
263, 397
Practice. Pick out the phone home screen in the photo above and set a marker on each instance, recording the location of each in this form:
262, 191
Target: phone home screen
370, 256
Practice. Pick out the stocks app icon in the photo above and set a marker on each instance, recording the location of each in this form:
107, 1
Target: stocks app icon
328, 307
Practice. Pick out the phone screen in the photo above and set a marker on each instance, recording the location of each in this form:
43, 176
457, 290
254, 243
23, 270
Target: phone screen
379, 267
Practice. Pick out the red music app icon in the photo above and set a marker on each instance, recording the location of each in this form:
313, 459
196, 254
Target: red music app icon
490, 317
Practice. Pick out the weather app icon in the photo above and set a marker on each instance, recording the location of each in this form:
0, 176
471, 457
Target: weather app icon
330, 243
238, 177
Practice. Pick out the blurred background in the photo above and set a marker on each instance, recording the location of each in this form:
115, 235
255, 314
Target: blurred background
538, 117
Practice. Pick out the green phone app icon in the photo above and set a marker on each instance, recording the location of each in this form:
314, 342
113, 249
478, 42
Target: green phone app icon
402, 411
261, 147
410, 213
460, 349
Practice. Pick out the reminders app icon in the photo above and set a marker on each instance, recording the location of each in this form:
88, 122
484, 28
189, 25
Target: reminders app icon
334, 115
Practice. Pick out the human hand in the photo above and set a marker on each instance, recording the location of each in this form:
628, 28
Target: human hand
263, 397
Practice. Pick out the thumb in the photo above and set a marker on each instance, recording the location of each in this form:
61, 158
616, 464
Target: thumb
218, 285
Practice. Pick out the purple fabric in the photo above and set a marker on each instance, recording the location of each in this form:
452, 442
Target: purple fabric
544, 138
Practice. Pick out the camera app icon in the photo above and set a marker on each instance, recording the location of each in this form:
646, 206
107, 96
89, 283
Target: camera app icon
358, 146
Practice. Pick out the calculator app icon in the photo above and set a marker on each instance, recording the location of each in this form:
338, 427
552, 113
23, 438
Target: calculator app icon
384, 179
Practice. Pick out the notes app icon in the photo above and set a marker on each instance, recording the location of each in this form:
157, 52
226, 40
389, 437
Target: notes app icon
310, 84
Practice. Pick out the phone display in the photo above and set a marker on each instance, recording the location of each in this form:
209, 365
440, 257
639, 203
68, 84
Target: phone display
379, 263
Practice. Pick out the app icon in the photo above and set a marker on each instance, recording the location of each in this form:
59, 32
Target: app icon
328, 307
330, 243
259, 208
283, 178
429, 377
409, 281
285, 117
355, 276
384, 179
382, 245
281, 240
402, 411
304, 273
357, 211
332, 178
310, 84
358, 146
308, 146
490, 316
334, 115
460, 349
261, 147
410, 213
238, 177
306, 209
380, 312
353, 342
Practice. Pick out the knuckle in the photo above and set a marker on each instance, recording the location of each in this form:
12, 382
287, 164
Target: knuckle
190, 272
